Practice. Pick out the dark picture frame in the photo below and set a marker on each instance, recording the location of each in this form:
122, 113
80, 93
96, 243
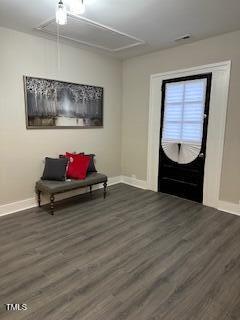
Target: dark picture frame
54, 104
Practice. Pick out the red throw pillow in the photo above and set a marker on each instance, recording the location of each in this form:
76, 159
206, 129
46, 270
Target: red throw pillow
78, 165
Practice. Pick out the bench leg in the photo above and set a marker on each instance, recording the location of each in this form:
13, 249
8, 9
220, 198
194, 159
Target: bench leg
104, 189
39, 198
52, 204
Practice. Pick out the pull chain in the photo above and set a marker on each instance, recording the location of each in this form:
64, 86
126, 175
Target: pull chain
58, 51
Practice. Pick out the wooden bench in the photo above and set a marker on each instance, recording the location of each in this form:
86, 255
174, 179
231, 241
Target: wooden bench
55, 187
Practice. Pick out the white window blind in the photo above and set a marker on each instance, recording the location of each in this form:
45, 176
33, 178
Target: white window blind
184, 111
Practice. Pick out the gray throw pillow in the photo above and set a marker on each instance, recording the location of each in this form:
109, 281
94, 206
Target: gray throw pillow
91, 167
55, 169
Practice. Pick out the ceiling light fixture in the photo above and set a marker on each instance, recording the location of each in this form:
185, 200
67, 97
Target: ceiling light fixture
77, 6
61, 13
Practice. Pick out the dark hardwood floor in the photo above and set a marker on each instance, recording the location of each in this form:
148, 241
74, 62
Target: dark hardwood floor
137, 255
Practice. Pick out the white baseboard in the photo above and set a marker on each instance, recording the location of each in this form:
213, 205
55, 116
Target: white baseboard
134, 182
32, 202
229, 207
114, 180
17, 206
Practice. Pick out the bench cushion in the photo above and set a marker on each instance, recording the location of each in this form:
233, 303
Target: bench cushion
62, 186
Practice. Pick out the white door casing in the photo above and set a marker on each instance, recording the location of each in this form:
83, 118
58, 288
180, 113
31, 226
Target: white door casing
216, 126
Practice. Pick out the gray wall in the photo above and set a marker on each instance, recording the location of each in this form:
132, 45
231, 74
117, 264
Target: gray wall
121, 147
136, 81
22, 151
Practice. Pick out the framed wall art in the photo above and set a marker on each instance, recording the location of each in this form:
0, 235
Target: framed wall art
52, 104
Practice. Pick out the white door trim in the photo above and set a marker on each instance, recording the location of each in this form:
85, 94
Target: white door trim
216, 126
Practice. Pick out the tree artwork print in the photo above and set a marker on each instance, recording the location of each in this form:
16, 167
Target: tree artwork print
58, 104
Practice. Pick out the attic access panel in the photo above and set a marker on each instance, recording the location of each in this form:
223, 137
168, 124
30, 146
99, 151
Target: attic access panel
91, 33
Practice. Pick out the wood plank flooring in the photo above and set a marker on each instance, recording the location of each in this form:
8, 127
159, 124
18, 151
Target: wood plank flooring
137, 255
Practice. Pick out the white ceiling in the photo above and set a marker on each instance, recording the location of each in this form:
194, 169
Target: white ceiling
155, 22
